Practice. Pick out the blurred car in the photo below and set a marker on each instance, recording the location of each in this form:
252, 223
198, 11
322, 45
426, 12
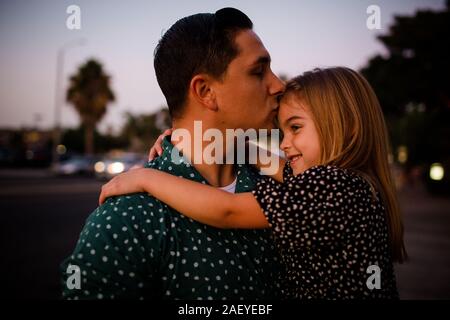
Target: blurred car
117, 163
75, 165
5, 156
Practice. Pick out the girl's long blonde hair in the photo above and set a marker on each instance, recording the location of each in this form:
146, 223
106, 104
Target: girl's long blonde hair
353, 134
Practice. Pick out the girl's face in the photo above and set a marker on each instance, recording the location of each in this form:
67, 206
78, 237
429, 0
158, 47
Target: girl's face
301, 140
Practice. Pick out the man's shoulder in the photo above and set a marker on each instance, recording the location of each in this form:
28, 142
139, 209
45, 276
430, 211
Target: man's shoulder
129, 209
247, 176
122, 219
140, 200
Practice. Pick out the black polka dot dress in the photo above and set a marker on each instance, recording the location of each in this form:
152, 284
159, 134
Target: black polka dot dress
332, 235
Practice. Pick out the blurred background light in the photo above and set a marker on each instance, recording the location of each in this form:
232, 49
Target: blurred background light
436, 171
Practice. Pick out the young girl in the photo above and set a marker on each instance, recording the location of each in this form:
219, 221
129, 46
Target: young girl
332, 209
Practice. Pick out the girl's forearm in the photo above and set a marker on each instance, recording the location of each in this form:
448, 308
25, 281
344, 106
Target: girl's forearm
196, 200
204, 203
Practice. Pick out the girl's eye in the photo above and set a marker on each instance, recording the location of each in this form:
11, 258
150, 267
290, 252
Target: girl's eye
295, 128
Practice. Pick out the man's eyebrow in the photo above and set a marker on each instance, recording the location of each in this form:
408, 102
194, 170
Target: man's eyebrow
262, 60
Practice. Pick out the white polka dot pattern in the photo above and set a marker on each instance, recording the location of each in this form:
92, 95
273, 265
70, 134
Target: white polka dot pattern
136, 247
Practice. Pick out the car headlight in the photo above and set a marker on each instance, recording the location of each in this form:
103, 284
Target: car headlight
116, 167
99, 167
436, 172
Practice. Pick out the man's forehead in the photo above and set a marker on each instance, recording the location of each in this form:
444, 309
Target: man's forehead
251, 48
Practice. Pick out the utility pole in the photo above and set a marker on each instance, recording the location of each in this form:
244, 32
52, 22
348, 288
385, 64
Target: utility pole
59, 96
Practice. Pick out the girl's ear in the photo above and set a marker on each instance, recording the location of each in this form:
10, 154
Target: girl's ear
202, 91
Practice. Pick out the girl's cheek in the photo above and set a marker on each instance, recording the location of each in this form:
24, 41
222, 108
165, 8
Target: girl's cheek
317, 158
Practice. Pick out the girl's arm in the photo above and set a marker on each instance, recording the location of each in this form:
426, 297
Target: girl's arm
200, 202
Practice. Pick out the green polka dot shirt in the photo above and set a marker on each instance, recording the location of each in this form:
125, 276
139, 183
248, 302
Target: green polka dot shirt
136, 247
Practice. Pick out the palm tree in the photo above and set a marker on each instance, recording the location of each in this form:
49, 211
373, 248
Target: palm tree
90, 93
142, 130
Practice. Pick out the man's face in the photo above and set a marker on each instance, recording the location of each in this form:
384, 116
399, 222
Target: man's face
247, 95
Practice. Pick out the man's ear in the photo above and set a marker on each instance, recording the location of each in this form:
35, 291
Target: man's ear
202, 91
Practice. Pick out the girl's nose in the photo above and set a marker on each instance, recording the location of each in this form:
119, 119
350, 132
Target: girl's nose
284, 144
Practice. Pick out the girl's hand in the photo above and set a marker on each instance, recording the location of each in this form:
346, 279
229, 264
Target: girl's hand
157, 150
127, 182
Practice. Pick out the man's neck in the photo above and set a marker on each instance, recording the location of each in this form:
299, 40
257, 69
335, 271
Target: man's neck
216, 174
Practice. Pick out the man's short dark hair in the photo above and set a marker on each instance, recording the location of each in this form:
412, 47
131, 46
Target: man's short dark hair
201, 43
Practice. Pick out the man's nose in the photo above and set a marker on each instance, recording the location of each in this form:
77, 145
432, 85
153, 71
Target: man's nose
277, 86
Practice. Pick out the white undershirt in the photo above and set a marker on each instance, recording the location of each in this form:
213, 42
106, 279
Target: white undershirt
231, 188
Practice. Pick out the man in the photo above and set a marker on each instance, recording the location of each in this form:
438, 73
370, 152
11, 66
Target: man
211, 68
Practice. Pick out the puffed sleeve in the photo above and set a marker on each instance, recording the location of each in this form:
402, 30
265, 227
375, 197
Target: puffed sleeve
268, 191
308, 209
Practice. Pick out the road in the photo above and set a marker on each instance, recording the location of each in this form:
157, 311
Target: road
40, 220
427, 237
41, 217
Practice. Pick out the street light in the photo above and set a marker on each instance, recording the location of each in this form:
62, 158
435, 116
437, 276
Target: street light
58, 94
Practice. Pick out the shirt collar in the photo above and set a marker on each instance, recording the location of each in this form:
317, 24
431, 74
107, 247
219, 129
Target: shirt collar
246, 176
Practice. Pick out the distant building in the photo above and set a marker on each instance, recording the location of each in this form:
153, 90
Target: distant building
24, 147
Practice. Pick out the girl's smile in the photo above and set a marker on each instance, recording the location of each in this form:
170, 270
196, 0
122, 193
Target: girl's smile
301, 140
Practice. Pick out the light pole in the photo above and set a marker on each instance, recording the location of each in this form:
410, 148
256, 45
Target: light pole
59, 95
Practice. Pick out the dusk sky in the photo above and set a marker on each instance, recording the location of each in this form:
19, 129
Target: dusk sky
122, 35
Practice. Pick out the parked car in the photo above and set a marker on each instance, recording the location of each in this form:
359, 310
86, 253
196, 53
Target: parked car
76, 165
116, 163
